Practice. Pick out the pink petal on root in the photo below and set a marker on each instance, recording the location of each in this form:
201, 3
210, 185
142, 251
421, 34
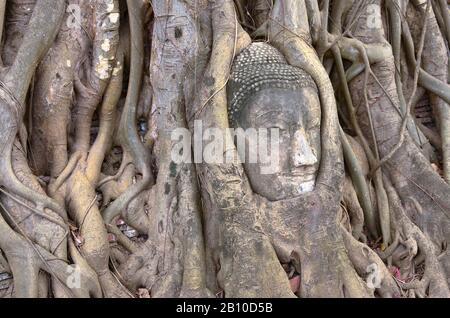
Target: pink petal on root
295, 283
395, 271
111, 237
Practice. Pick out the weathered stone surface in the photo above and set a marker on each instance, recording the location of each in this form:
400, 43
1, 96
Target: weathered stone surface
258, 67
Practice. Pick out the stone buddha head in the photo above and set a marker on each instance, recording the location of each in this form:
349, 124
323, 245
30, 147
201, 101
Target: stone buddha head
265, 93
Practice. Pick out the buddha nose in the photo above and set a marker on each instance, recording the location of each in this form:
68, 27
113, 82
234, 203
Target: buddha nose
302, 152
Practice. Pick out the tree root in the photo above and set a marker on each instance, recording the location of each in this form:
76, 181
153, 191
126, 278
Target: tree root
433, 283
128, 135
362, 258
27, 259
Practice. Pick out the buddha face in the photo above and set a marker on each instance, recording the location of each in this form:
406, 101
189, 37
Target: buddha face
296, 115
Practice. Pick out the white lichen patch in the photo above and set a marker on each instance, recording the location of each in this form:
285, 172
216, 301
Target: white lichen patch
106, 45
117, 69
102, 68
110, 6
114, 17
